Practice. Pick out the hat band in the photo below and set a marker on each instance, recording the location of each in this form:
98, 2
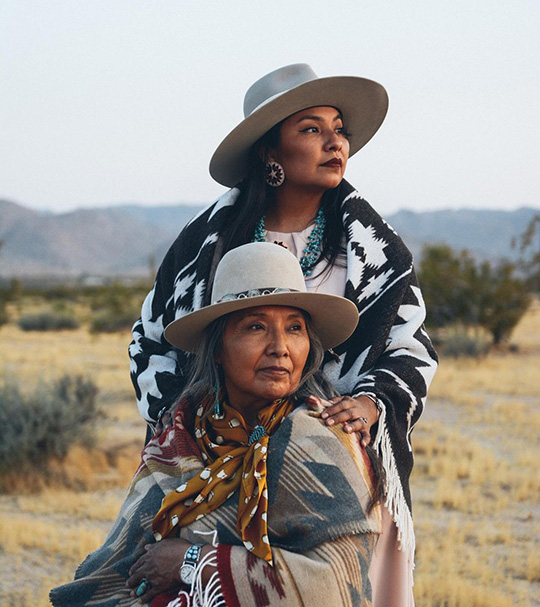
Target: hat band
256, 293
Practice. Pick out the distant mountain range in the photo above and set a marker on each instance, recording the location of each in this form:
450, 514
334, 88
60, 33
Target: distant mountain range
131, 240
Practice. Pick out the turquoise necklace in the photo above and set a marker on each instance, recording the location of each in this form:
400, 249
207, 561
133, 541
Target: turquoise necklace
313, 249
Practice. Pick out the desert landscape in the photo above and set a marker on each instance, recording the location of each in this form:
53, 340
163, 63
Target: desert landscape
112, 118
475, 486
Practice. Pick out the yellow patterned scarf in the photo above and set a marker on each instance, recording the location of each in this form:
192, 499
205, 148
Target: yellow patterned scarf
234, 457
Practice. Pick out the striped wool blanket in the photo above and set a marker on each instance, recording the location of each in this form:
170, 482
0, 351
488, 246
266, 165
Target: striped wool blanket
319, 485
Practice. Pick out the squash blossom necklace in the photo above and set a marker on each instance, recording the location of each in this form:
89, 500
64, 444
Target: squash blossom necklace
312, 251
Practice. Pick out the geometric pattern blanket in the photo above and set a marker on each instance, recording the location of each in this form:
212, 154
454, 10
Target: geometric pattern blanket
389, 353
319, 485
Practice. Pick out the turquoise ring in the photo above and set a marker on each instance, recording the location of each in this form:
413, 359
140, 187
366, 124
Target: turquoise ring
143, 587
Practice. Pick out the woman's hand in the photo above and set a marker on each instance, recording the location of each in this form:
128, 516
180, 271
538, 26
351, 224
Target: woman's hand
159, 565
356, 414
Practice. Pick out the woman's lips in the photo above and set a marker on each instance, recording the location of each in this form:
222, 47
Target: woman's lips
335, 162
275, 371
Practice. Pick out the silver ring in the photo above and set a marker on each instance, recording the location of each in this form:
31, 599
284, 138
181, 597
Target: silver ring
363, 419
143, 587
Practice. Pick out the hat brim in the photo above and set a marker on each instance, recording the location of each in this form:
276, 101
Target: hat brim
334, 318
362, 102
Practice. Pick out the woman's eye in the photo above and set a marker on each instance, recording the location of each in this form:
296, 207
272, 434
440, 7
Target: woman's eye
297, 327
310, 129
343, 131
255, 326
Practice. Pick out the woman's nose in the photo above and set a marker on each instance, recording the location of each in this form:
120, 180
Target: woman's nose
334, 141
277, 345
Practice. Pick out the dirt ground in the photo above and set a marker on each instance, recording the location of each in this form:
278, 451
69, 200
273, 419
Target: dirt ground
475, 485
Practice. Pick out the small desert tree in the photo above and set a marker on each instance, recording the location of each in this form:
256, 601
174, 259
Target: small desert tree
503, 299
447, 278
4, 296
459, 290
528, 245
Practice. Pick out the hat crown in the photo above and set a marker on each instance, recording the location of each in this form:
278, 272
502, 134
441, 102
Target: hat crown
275, 83
254, 267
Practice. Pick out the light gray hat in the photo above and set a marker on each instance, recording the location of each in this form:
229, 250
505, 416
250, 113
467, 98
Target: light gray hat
264, 274
290, 89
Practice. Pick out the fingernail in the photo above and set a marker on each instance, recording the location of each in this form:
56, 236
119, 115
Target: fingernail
347, 428
330, 422
324, 414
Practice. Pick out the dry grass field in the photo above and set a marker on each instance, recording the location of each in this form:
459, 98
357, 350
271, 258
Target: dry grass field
475, 487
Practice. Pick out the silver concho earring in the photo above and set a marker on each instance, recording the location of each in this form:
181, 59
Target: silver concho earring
274, 174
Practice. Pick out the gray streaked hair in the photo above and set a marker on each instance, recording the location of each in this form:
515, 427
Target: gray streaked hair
205, 374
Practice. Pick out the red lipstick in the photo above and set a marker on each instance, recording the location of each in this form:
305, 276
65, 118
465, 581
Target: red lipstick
334, 162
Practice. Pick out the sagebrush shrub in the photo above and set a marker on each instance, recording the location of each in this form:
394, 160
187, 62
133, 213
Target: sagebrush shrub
115, 308
48, 321
461, 345
110, 321
44, 424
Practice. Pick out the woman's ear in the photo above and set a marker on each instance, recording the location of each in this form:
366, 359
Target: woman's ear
266, 154
271, 156
262, 153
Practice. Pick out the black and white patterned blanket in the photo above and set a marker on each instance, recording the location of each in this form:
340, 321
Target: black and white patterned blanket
389, 353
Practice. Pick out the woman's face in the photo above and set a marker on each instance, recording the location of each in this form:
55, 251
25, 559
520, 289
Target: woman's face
313, 149
263, 354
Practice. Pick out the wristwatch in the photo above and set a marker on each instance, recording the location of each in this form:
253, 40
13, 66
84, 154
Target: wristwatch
189, 564
375, 401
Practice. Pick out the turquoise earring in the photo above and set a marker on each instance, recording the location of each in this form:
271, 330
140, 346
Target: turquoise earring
218, 410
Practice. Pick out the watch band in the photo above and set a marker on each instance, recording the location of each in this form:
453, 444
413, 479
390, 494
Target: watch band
375, 400
189, 564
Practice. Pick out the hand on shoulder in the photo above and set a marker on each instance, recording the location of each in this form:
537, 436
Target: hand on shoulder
355, 414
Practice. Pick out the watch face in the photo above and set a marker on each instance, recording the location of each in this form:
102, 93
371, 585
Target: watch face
187, 573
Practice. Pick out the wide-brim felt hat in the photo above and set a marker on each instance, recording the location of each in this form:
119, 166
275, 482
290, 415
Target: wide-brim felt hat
363, 104
264, 274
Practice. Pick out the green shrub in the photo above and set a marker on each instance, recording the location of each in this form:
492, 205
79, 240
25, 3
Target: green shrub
48, 321
5, 297
110, 321
463, 345
44, 424
460, 290
115, 308
4, 316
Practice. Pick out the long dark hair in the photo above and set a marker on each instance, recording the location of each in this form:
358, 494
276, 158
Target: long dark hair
256, 197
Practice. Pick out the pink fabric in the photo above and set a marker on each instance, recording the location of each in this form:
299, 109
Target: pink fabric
390, 571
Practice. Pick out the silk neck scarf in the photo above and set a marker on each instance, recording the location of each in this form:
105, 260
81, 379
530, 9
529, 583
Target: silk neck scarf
234, 458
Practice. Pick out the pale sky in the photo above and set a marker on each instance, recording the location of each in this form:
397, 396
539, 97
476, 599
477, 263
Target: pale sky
114, 101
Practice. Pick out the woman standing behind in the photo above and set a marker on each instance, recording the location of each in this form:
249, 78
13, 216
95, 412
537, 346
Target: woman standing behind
285, 164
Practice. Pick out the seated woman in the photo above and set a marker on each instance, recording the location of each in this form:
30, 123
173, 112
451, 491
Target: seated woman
244, 496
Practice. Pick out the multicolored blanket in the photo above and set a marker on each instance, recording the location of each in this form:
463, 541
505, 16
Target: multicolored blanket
319, 485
